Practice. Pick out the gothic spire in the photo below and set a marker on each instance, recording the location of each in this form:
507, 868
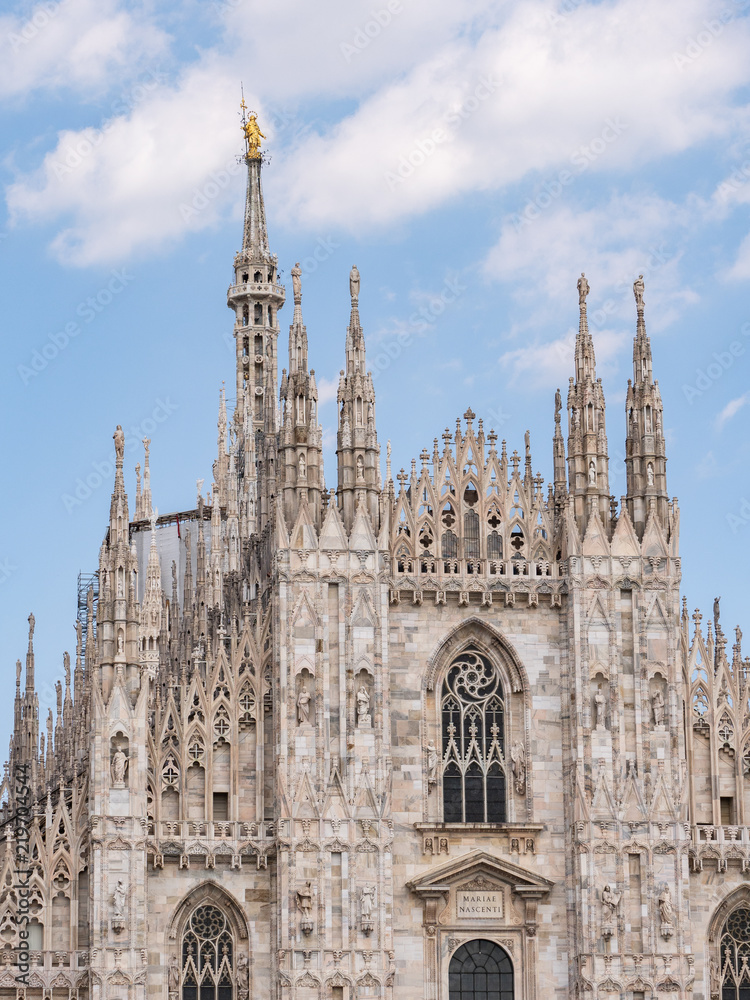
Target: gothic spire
255, 298
645, 451
588, 462
300, 438
357, 444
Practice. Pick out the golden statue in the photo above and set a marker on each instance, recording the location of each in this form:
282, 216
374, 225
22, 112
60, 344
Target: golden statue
252, 132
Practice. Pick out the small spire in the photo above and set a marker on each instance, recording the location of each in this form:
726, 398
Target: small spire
146, 513
30, 657
138, 504
297, 290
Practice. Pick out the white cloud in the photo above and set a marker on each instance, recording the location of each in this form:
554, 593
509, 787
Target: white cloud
142, 179
327, 390
613, 243
74, 43
554, 88
731, 409
513, 94
740, 270
548, 365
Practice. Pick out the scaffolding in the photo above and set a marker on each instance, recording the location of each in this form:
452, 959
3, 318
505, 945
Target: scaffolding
86, 581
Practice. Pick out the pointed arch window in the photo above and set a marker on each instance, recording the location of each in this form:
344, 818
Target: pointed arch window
494, 545
735, 955
471, 535
207, 970
473, 734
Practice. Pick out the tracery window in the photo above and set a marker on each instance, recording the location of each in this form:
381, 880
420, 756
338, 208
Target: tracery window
207, 956
735, 956
473, 730
480, 970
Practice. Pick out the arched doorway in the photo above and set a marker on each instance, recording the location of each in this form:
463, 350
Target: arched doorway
480, 970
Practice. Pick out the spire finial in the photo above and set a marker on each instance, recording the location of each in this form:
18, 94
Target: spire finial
583, 291
638, 288
250, 130
354, 285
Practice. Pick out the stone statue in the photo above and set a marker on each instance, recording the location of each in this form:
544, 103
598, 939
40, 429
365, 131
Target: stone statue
119, 438
638, 288
657, 706
715, 978
253, 135
558, 404
243, 973
432, 762
302, 467
363, 706
367, 901
527, 442
297, 283
583, 290
666, 909
118, 898
174, 976
120, 639
305, 901
518, 764
599, 705
610, 902
716, 610
303, 705
360, 469
650, 474
592, 473
119, 767
354, 283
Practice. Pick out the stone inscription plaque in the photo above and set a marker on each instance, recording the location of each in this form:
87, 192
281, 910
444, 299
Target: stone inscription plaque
479, 904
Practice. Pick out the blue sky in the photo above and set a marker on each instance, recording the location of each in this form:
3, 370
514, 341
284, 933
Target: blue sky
472, 159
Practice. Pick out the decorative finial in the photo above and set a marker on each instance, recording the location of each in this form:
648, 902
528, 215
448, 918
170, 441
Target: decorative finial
638, 288
583, 290
354, 284
388, 475
119, 439
297, 283
251, 131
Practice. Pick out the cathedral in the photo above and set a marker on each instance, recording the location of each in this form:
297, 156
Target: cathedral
438, 735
